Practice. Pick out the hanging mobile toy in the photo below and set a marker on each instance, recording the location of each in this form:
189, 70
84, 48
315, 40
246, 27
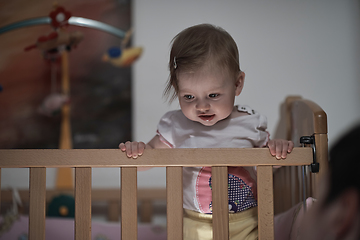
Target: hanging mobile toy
52, 46
52, 104
122, 56
58, 40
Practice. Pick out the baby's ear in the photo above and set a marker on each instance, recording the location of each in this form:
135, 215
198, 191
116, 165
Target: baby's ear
239, 83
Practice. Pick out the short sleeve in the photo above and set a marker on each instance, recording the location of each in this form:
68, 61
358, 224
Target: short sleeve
254, 126
165, 129
262, 131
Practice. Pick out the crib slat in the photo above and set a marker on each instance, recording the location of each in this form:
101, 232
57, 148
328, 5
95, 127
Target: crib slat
174, 202
37, 188
220, 203
82, 203
0, 189
129, 203
265, 202
287, 183
321, 145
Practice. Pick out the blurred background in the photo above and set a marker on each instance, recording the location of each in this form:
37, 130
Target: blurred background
100, 93
308, 48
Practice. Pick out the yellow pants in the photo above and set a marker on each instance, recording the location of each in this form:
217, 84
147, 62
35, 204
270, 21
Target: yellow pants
242, 225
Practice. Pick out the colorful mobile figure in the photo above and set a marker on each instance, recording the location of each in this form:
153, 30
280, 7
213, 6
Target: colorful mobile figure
59, 40
123, 56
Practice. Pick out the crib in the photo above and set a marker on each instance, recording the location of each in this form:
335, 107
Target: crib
300, 118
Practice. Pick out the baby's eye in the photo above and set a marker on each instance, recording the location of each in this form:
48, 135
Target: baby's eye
213, 95
188, 97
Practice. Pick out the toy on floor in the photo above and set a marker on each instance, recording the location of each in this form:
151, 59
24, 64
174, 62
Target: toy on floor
62, 206
11, 215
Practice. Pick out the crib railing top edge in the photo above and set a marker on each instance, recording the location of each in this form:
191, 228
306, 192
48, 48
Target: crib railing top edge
103, 158
319, 116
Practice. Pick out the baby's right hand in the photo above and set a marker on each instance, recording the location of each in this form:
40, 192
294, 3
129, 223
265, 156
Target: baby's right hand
132, 149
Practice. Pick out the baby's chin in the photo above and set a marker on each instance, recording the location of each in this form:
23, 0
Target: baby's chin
208, 124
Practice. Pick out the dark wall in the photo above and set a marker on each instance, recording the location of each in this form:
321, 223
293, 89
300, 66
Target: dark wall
100, 93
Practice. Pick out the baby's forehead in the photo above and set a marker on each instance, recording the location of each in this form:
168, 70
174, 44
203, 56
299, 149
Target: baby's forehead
207, 69
207, 79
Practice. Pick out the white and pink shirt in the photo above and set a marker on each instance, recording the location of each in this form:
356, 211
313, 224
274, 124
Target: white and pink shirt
246, 131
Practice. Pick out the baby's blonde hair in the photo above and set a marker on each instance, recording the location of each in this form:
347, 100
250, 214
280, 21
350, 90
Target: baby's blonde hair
196, 46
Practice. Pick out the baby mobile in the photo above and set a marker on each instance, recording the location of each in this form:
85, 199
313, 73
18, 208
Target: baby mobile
55, 47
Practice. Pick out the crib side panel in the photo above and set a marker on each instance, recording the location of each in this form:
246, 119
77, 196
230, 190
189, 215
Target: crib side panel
82, 203
220, 203
54, 158
304, 118
309, 119
129, 203
37, 187
37, 159
0, 188
265, 202
174, 202
321, 142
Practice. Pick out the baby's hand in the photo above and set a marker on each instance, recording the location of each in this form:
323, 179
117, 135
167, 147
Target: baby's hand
132, 149
279, 148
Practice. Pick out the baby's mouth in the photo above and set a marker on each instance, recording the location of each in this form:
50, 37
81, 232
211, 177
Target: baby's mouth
207, 117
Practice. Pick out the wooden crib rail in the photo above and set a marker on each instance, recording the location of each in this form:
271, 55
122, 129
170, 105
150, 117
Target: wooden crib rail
173, 159
300, 117
191, 157
309, 119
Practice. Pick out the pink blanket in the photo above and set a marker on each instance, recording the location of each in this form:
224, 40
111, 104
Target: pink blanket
61, 228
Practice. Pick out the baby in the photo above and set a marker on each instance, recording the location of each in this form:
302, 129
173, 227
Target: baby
205, 76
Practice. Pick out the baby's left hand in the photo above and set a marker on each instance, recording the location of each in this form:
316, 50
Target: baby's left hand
279, 148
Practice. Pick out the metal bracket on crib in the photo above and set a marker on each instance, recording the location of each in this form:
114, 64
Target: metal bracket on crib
314, 167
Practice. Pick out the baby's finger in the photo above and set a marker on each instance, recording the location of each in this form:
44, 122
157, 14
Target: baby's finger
291, 146
272, 149
141, 148
122, 147
128, 149
279, 150
284, 149
134, 149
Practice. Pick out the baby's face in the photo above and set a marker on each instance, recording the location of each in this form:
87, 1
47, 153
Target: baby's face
206, 95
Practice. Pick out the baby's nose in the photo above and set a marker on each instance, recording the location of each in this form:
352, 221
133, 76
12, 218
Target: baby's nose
202, 106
